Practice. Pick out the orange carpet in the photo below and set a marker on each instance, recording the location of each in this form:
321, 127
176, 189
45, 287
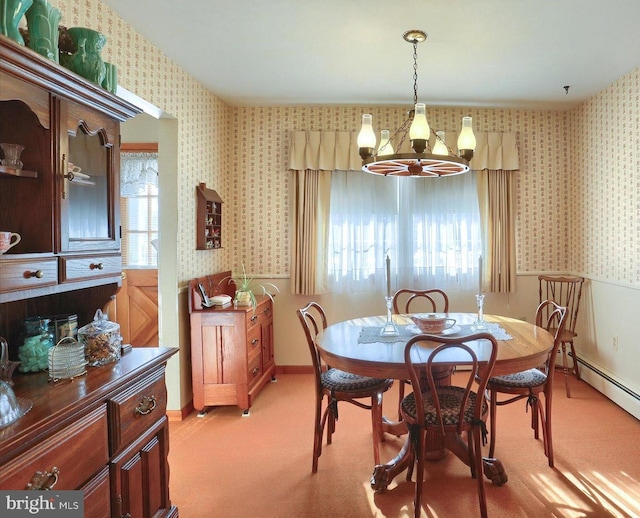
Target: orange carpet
225, 465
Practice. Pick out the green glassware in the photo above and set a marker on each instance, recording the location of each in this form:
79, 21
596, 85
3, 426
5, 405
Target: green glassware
87, 61
42, 22
11, 13
110, 82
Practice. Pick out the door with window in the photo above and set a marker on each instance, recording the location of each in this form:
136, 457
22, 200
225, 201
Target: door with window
136, 304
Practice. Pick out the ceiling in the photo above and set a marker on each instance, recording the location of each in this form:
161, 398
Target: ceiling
513, 53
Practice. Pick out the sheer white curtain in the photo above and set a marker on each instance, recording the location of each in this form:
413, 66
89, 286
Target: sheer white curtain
430, 228
137, 170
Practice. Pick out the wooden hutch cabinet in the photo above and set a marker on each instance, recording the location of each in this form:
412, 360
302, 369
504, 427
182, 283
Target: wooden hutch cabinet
232, 352
106, 432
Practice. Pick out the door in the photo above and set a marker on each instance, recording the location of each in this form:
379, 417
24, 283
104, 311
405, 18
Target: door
136, 307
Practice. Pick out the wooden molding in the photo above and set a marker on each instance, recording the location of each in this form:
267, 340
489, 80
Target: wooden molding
141, 147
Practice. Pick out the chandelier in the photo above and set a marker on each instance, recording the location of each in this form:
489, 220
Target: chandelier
424, 161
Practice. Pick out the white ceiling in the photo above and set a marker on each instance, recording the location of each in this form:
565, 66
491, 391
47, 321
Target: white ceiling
516, 53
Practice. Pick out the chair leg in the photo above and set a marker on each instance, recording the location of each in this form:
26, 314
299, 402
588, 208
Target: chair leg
318, 432
493, 405
478, 468
547, 430
419, 455
565, 368
376, 425
574, 357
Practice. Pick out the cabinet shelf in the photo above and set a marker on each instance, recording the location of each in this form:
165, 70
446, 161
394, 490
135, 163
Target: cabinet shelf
209, 219
17, 172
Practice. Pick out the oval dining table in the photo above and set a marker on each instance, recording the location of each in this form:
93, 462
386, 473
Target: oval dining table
356, 346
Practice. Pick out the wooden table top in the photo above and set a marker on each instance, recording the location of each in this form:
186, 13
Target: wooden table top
339, 346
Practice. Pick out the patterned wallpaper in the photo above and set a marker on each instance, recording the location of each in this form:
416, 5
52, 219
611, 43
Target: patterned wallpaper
261, 155
579, 169
605, 184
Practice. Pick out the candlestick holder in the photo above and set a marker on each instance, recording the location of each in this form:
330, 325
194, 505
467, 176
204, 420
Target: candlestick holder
389, 328
480, 324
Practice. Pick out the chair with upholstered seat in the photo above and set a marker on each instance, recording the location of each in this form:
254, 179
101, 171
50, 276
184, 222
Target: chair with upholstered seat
565, 291
337, 385
532, 383
449, 410
407, 300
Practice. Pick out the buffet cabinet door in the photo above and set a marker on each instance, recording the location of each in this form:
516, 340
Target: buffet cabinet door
88, 180
140, 476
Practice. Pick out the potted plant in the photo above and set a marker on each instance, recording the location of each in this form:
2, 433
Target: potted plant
246, 287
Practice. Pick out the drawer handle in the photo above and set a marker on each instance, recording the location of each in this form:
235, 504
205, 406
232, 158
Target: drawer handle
146, 406
254, 318
97, 266
255, 371
44, 481
255, 342
267, 311
38, 274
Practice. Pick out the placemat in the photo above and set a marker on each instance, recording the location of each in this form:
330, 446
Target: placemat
371, 334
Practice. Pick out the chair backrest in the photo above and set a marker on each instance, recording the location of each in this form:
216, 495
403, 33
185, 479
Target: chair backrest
313, 320
552, 317
565, 291
420, 354
434, 300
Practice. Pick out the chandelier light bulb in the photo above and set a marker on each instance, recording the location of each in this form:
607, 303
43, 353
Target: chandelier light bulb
366, 137
385, 147
466, 139
419, 131
440, 148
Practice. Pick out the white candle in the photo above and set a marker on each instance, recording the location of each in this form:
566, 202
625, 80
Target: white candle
480, 276
388, 277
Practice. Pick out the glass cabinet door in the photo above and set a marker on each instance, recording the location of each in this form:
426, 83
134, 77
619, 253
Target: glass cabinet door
89, 220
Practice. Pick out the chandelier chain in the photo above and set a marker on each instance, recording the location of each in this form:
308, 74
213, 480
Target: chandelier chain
415, 72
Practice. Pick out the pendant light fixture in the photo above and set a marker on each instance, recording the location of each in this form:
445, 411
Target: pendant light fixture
424, 161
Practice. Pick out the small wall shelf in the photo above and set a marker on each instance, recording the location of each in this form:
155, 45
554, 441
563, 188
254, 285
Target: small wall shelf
209, 219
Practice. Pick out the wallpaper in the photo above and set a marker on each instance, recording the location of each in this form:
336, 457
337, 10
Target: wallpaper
578, 189
605, 184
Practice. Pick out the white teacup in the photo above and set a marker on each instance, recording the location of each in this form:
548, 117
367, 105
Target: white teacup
8, 240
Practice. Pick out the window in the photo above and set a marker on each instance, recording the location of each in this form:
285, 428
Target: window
430, 228
139, 208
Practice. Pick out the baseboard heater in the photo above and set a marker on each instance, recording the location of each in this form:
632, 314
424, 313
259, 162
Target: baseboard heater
608, 378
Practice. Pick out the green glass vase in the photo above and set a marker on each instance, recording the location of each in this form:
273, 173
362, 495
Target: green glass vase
42, 23
11, 13
87, 61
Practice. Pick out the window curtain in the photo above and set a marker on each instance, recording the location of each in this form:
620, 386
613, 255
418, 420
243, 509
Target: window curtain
137, 170
312, 152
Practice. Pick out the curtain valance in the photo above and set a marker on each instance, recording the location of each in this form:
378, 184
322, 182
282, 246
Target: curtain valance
338, 150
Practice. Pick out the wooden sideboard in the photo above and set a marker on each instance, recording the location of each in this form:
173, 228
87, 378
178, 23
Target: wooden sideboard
232, 353
105, 433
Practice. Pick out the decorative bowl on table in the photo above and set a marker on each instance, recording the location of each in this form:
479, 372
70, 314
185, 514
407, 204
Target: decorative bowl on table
432, 323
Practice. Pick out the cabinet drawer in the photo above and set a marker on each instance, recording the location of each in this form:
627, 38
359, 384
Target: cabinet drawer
262, 314
27, 274
254, 370
89, 267
135, 410
57, 458
254, 342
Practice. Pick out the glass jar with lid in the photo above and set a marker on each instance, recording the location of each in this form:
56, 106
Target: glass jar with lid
36, 342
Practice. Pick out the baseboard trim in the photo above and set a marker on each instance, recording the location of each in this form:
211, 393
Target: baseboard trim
180, 415
294, 369
610, 386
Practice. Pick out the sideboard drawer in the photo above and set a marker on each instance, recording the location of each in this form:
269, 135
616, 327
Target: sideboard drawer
66, 459
135, 409
89, 267
27, 274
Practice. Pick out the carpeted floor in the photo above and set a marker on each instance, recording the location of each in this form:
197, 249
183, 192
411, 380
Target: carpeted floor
224, 465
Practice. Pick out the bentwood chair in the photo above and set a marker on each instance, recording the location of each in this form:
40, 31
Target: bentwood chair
532, 383
408, 300
566, 292
336, 385
446, 410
